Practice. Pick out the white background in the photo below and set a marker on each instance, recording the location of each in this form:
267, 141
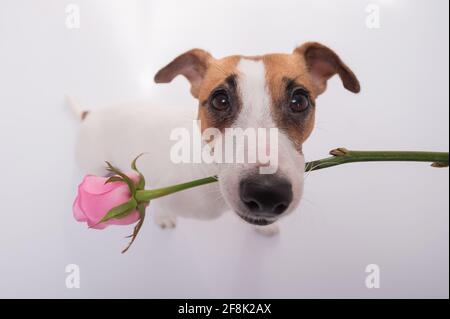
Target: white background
393, 215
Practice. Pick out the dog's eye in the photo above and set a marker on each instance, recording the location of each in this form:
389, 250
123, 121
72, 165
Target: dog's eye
299, 101
220, 101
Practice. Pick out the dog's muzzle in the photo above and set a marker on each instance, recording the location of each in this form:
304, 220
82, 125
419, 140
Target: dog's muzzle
265, 198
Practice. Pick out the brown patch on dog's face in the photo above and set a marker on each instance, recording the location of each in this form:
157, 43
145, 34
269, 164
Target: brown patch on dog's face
219, 80
287, 74
207, 76
303, 76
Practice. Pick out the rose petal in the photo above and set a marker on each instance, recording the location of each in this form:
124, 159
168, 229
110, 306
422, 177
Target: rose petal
96, 185
77, 212
95, 206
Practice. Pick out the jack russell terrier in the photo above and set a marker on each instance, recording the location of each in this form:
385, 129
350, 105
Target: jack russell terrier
270, 91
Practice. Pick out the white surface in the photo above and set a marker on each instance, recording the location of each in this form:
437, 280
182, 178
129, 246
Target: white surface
393, 215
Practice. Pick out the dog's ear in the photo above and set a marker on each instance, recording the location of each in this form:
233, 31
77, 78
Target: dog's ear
323, 63
192, 65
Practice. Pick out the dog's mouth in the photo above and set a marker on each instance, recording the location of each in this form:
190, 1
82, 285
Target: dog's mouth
259, 221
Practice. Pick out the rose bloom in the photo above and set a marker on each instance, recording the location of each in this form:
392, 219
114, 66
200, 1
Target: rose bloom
95, 199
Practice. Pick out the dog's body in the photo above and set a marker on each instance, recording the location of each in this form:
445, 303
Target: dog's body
271, 91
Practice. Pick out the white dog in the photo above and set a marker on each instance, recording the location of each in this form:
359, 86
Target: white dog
269, 91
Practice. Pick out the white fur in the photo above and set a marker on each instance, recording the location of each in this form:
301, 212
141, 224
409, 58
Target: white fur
269, 230
255, 96
256, 113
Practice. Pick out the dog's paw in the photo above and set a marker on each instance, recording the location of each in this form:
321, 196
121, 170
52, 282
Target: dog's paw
166, 222
164, 219
269, 230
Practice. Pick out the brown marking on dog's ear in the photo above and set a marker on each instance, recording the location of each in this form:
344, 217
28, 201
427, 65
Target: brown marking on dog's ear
192, 65
323, 63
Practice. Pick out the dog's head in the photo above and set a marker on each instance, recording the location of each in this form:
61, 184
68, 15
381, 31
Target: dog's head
262, 92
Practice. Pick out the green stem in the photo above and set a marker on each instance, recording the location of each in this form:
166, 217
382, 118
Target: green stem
340, 156
146, 195
344, 156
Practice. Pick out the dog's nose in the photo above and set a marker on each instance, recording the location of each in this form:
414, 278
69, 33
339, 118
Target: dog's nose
266, 195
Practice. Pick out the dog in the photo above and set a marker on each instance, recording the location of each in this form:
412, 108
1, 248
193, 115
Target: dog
269, 91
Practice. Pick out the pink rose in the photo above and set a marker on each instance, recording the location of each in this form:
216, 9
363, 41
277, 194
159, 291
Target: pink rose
95, 199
